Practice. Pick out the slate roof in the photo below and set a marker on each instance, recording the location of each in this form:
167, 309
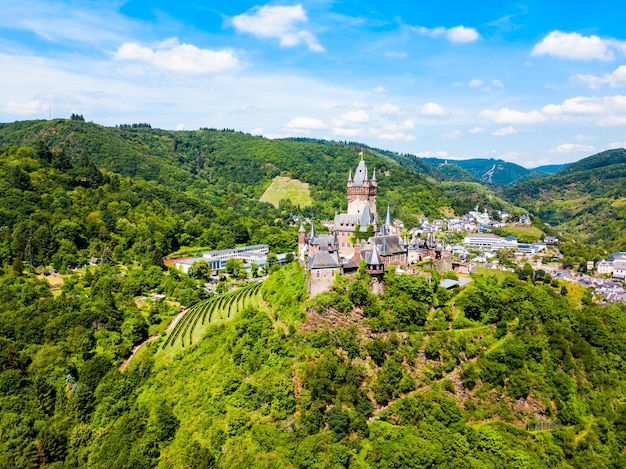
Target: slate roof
366, 217
344, 221
325, 242
386, 245
374, 258
323, 260
360, 175
388, 219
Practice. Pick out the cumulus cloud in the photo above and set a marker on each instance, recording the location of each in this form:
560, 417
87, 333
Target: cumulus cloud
615, 80
511, 116
432, 110
457, 34
476, 130
572, 148
389, 108
25, 108
582, 105
352, 117
504, 131
304, 124
405, 125
578, 47
278, 22
475, 83
185, 58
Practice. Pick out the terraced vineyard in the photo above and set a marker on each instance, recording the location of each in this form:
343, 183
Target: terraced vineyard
217, 308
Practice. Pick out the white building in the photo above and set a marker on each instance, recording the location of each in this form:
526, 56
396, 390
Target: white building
604, 267
619, 268
489, 241
217, 259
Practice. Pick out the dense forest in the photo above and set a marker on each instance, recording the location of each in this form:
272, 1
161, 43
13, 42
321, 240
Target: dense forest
516, 370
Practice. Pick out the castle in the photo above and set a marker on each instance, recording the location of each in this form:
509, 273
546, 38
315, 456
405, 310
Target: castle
358, 235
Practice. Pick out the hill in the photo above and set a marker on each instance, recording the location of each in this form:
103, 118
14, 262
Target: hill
586, 199
551, 168
489, 171
511, 371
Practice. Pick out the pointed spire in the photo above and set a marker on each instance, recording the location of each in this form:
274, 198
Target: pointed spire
383, 246
383, 230
430, 241
350, 176
301, 230
388, 219
374, 175
375, 258
312, 235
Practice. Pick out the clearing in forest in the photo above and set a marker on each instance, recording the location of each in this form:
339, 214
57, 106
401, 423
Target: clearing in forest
284, 188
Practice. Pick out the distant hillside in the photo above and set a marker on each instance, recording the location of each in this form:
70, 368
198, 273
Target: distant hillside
454, 172
550, 168
228, 167
489, 171
586, 199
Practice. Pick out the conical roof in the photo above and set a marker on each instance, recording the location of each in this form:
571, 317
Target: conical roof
366, 217
430, 242
312, 234
374, 175
350, 176
375, 258
388, 219
360, 175
302, 230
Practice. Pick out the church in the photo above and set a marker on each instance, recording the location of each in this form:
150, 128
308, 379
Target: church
359, 235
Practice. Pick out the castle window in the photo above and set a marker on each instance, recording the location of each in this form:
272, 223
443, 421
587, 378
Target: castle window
318, 273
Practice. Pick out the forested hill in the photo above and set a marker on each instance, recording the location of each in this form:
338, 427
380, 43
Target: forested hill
587, 199
223, 165
489, 171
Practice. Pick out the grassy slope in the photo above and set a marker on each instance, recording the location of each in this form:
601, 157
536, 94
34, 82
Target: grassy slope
284, 188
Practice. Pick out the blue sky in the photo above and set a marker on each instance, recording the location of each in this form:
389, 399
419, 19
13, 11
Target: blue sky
532, 82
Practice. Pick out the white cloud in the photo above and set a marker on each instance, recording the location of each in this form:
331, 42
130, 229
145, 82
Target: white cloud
457, 34
180, 127
432, 109
304, 124
572, 148
615, 80
612, 121
25, 108
462, 34
576, 46
497, 83
279, 22
511, 116
389, 108
185, 58
347, 132
582, 105
504, 131
476, 130
396, 136
453, 134
475, 83
405, 125
379, 89
352, 117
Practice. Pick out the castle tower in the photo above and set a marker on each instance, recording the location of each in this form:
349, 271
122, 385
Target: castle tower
301, 242
361, 190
